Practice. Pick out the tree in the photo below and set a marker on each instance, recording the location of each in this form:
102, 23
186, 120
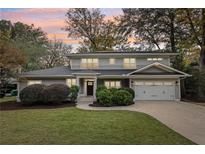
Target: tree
55, 55
153, 26
90, 26
194, 21
11, 59
29, 40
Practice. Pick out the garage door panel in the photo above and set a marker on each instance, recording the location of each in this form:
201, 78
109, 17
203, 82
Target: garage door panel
161, 92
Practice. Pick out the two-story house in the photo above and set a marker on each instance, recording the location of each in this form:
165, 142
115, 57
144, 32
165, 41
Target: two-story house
149, 74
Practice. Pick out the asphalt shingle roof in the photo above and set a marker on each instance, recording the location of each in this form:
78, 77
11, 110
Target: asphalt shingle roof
62, 70
66, 70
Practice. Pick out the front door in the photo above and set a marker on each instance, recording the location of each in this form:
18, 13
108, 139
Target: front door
90, 88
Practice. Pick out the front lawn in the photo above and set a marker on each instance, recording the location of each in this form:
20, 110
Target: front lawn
7, 99
75, 126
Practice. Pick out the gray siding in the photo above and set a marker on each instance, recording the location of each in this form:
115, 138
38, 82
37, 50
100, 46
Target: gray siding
154, 70
104, 62
51, 81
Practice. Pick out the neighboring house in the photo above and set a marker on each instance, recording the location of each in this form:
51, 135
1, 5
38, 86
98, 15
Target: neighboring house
148, 73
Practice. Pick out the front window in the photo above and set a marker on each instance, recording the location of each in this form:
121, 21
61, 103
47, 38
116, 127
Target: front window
112, 84
70, 82
112, 61
89, 63
154, 59
129, 63
30, 82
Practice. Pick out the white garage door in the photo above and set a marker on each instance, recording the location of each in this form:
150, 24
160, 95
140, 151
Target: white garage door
154, 90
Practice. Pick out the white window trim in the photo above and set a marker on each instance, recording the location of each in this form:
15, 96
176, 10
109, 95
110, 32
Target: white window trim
154, 59
111, 81
129, 64
112, 61
89, 63
71, 82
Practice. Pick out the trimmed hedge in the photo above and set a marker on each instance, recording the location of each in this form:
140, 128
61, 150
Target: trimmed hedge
105, 97
114, 96
31, 94
74, 93
122, 97
130, 90
55, 94
99, 89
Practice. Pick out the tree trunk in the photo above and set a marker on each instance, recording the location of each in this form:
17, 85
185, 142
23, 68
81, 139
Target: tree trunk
202, 56
202, 53
172, 32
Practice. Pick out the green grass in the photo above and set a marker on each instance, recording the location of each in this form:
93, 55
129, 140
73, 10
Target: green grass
7, 99
75, 126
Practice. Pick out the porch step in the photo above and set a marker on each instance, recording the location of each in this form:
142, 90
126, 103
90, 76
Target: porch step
85, 99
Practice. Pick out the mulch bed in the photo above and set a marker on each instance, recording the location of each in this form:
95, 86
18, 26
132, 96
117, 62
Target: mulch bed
13, 105
96, 104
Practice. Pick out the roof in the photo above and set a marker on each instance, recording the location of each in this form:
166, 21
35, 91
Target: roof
64, 71
123, 53
55, 71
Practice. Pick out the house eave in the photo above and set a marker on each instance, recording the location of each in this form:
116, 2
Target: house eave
44, 76
156, 76
121, 54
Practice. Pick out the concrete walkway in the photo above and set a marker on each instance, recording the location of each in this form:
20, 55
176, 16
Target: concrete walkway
185, 118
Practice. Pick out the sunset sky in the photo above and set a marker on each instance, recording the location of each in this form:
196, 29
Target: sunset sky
50, 20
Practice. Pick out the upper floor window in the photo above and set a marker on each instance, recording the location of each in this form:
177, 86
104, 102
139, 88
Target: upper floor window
89, 63
129, 63
112, 61
70, 82
30, 82
154, 59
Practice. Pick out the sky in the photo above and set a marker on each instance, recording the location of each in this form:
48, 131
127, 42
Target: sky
50, 20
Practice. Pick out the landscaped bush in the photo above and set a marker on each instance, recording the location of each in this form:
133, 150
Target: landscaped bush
104, 97
114, 96
55, 94
113, 90
122, 97
31, 94
99, 88
73, 93
130, 90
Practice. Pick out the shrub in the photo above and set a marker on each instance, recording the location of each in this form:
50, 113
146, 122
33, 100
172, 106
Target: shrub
130, 90
31, 94
14, 93
74, 93
122, 97
113, 90
99, 88
104, 97
55, 93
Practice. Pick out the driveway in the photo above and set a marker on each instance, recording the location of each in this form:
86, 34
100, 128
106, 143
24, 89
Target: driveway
185, 118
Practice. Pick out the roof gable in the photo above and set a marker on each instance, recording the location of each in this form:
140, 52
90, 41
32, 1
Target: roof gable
158, 68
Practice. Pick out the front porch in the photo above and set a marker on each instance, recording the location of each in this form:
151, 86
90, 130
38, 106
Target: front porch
87, 84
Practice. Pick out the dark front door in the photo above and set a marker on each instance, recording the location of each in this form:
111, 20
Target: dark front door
90, 88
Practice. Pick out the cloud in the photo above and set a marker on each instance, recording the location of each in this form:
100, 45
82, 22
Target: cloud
49, 20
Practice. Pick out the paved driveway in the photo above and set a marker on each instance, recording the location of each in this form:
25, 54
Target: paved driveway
185, 118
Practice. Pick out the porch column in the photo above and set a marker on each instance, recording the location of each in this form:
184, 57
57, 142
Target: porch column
95, 87
78, 84
179, 88
18, 91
